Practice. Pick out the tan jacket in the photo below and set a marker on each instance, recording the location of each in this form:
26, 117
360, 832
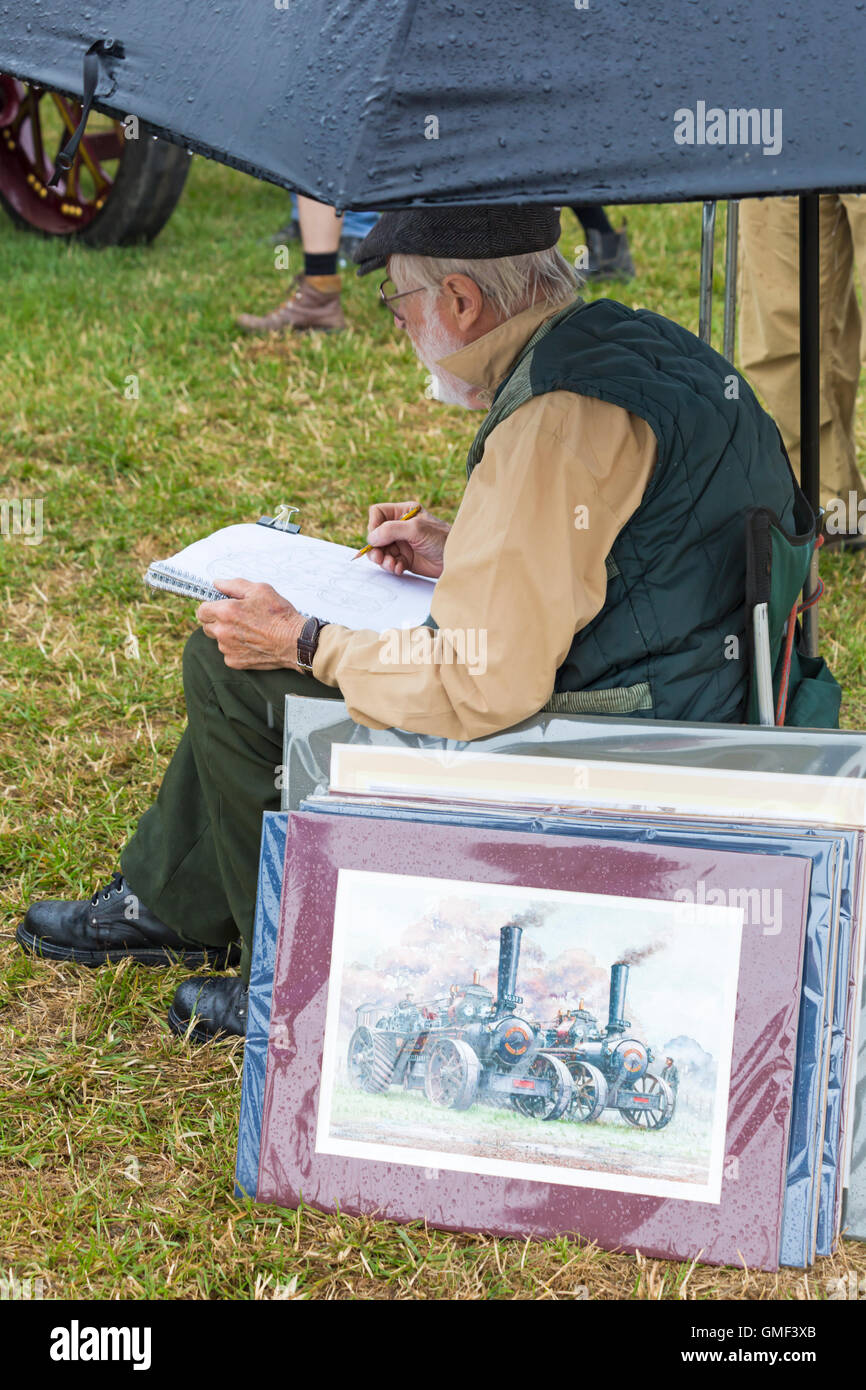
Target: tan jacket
524, 562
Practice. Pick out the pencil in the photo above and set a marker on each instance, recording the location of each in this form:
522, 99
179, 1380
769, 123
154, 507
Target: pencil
408, 517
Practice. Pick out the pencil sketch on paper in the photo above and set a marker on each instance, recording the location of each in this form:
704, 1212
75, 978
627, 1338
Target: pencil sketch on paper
316, 576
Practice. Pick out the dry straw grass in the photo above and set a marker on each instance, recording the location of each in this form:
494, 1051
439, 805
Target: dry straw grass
118, 1146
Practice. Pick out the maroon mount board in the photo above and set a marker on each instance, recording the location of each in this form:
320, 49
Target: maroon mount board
403, 911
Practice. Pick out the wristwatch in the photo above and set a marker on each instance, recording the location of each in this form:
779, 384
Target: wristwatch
308, 641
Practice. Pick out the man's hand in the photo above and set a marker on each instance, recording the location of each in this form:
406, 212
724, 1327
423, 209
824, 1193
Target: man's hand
417, 545
255, 629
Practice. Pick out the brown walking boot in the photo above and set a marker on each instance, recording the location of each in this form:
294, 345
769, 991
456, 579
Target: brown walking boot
313, 303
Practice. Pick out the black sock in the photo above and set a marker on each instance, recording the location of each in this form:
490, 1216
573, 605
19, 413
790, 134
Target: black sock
592, 219
324, 264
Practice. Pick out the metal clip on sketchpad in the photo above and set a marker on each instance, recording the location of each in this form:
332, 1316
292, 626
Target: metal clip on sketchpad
282, 521
101, 49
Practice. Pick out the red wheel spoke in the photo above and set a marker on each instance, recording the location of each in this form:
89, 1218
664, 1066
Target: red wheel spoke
11, 95
35, 118
72, 178
70, 111
104, 144
22, 127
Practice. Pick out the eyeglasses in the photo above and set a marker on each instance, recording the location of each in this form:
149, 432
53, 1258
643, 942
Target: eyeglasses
388, 299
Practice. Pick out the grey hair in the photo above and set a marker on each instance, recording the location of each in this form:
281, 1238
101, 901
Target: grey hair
508, 283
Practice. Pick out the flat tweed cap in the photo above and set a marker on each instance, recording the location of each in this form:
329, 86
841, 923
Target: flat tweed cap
470, 233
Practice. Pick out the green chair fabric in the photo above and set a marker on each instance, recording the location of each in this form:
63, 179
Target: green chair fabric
777, 569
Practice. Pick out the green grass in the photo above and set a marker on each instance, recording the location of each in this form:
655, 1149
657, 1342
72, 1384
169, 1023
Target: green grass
117, 1141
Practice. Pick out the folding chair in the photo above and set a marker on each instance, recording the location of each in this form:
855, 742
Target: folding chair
787, 685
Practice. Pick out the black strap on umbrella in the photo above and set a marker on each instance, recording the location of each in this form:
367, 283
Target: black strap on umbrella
92, 58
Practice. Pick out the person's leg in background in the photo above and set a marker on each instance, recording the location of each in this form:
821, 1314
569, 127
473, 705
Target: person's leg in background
609, 257
769, 307
314, 301
291, 230
840, 341
356, 225
855, 207
593, 219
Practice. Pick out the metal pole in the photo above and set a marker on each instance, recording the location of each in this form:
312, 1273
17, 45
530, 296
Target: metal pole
731, 231
810, 388
708, 238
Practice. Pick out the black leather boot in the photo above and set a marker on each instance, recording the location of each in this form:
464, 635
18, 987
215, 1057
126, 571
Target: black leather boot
217, 1004
108, 927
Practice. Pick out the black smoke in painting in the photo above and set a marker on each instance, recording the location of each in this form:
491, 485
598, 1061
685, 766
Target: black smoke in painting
446, 946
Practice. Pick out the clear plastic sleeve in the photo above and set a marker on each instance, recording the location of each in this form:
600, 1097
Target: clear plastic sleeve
301, 1155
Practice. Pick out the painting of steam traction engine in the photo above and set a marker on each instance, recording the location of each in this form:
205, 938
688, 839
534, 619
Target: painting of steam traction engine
469, 1045
607, 1067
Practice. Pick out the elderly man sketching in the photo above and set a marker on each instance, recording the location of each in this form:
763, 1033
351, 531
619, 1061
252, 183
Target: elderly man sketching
599, 549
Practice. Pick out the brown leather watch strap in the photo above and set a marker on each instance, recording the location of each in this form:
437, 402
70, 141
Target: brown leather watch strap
308, 641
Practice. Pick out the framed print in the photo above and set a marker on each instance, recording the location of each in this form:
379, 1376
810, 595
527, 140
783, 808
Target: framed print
622, 1196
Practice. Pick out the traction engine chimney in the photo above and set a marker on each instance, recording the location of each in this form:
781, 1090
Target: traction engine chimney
509, 959
618, 981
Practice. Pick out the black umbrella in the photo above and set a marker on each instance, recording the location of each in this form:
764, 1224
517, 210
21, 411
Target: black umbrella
379, 103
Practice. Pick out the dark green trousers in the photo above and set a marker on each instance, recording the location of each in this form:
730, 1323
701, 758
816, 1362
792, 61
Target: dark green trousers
194, 856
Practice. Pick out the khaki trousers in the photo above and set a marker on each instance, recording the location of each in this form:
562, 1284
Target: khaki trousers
769, 312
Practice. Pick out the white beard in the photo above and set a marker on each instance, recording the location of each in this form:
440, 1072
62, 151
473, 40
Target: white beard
433, 344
